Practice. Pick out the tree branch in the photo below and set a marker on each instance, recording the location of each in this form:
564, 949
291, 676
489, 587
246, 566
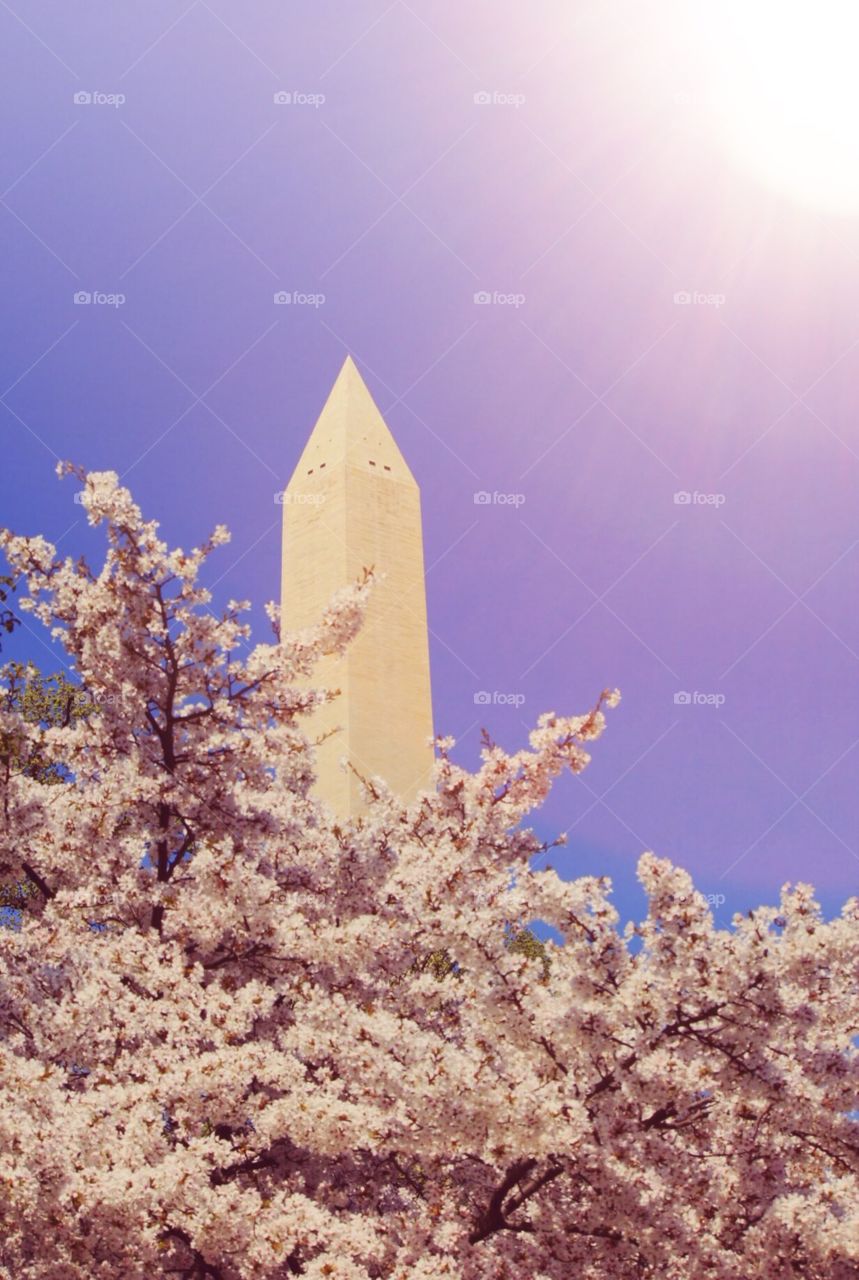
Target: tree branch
496, 1215
33, 876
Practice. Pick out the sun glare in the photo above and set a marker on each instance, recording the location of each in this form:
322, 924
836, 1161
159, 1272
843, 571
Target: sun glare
783, 83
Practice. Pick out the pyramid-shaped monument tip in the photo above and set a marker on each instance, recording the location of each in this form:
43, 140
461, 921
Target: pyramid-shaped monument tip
350, 384
350, 430
353, 503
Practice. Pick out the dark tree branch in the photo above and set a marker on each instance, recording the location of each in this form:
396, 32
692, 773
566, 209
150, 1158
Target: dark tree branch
33, 876
496, 1215
199, 1268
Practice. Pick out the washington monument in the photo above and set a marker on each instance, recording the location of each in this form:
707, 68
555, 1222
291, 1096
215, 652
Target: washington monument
353, 504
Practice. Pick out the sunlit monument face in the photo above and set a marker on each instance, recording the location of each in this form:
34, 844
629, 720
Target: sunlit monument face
353, 504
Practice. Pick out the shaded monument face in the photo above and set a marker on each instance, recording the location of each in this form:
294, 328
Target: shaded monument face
352, 504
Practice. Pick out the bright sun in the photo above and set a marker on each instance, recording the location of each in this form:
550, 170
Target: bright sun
784, 85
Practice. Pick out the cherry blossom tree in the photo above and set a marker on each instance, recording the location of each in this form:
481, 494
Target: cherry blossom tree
242, 1039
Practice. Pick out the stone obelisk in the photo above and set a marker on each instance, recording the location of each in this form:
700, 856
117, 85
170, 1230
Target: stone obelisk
353, 504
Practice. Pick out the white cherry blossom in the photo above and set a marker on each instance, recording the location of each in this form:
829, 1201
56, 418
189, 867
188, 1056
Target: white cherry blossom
239, 1039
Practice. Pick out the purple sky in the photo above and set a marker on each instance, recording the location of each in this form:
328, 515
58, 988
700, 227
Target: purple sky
591, 189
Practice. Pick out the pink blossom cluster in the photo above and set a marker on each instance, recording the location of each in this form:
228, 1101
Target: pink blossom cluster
240, 1039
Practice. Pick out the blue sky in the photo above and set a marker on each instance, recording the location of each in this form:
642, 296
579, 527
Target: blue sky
659, 322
